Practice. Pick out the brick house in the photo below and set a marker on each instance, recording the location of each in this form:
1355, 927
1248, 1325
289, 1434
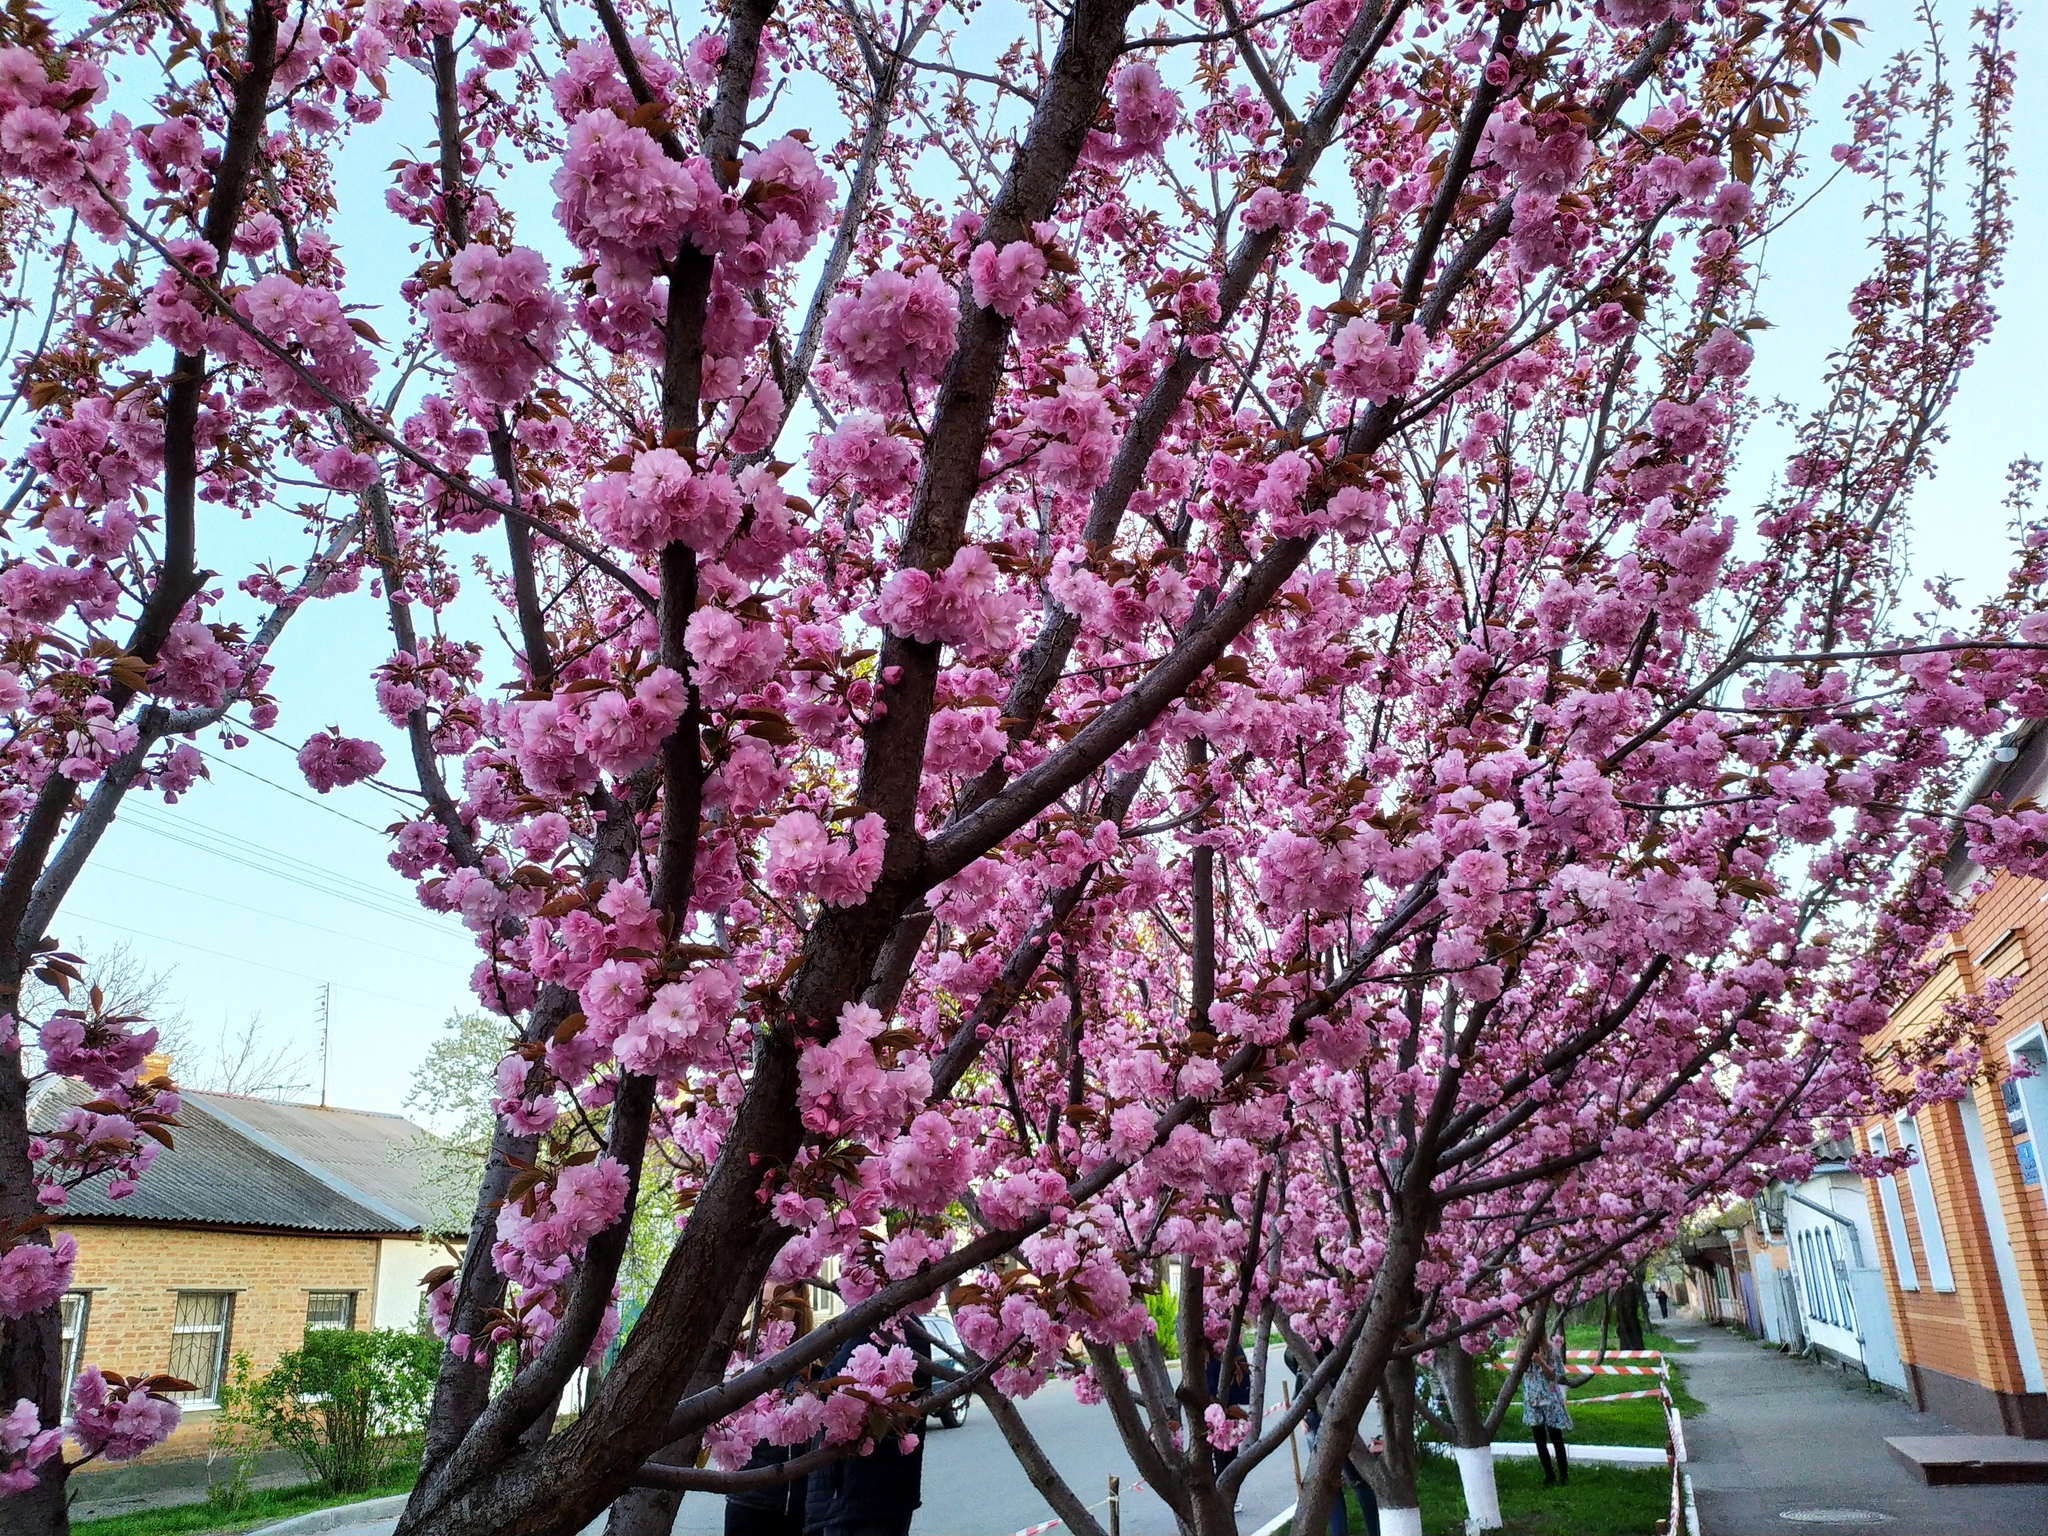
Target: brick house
264, 1221
1962, 1236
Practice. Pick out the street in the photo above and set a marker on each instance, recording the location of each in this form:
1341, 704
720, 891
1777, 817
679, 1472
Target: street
974, 1487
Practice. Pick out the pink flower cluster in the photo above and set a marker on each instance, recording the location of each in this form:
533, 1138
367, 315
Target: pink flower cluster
847, 1092
33, 1275
332, 761
896, 332
1369, 365
307, 322
118, 1419
194, 668
1144, 114
500, 323
24, 1446
684, 1025
965, 606
626, 202
540, 1239
620, 731
105, 1055
1004, 279
804, 859
661, 500
48, 140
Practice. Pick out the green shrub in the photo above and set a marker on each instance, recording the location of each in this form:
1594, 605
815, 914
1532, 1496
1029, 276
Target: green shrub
236, 1439
350, 1405
1165, 1309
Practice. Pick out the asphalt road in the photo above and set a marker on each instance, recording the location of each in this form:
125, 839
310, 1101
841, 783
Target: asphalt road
974, 1487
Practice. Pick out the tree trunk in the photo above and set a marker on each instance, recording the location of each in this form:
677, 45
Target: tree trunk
1472, 1441
1400, 1505
1628, 1314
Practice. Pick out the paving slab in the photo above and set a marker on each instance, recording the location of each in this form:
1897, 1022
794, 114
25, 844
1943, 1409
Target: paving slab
1954, 1460
1788, 1445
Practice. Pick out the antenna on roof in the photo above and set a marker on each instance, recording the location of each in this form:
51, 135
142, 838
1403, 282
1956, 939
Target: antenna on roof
326, 1021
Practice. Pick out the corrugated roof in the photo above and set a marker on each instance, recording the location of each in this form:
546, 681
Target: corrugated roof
370, 1157
222, 1174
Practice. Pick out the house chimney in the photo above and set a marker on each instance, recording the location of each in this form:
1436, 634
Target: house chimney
155, 1064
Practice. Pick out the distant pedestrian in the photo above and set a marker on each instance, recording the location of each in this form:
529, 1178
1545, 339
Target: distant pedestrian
1230, 1383
1663, 1300
875, 1494
1543, 1408
777, 1510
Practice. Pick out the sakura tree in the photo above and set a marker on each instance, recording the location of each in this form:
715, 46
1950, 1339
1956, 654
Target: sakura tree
133, 401
1105, 640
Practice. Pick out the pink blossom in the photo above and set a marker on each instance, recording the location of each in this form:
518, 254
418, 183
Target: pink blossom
118, 1420
1004, 279
24, 1446
1725, 355
33, 1276
331, 760
1372, 367
897, 329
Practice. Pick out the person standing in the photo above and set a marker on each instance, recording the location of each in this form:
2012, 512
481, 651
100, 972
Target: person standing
1543, 1408
1663, 1301
776, 1510
876, 1494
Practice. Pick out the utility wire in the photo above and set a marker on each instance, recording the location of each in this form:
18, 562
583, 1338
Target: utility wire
310, 877
140, 933
284, 789
392, 949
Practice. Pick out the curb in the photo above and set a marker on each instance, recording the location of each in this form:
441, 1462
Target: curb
336, 1518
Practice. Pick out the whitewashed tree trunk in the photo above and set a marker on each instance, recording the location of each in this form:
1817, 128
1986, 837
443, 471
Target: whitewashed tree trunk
1482, 1493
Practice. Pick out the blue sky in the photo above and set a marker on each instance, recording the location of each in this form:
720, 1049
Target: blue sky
254, 893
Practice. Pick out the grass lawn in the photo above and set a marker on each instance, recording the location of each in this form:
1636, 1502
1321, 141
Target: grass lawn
263, 1508
1599, 1501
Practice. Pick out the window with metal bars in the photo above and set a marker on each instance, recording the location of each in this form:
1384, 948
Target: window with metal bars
199, 1342
330, 1309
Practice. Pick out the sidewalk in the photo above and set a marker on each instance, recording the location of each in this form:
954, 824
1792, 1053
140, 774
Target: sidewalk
1785, 1436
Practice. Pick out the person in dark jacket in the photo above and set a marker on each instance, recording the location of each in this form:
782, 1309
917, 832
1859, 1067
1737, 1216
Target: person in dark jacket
1235, 1393
875, 1494
777, 1510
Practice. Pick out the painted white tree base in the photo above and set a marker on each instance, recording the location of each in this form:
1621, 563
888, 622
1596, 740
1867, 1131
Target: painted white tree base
1482, 1493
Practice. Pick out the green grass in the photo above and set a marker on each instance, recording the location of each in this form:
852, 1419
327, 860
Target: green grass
1599, 1501
262, 1509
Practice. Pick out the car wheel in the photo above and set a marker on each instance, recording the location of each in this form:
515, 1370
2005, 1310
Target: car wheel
954, 1414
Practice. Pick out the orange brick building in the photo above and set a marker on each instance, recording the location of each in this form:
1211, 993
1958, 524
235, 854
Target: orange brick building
1963, 1233
264, 1221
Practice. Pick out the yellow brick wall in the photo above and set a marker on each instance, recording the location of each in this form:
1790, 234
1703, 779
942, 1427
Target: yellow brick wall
135, 1272
1965, 1335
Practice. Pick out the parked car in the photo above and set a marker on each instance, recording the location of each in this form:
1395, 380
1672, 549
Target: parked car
941, 1328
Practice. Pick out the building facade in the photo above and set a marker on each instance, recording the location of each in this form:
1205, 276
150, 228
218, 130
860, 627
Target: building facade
1962, 1234
263, 1222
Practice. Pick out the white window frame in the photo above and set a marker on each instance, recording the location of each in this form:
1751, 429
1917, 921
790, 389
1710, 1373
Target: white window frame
2034, 1097
1835, 1278
74, 1349
204, 1396
1894, 1217
1926, 1214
